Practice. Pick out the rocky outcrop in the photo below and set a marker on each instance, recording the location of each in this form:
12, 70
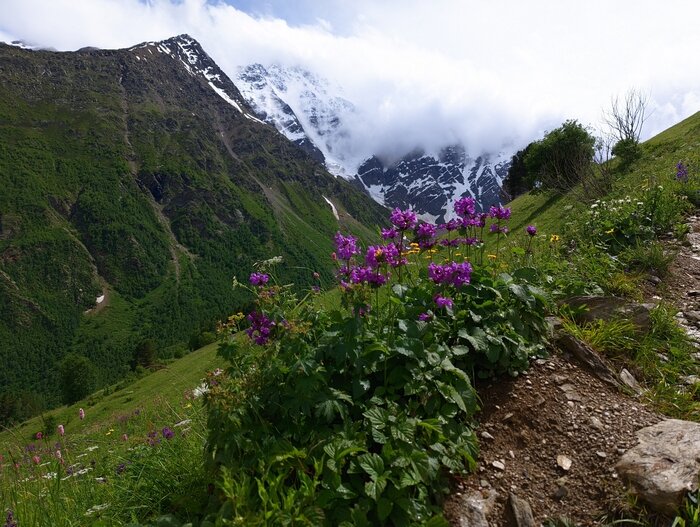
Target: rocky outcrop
665, 465
610, 308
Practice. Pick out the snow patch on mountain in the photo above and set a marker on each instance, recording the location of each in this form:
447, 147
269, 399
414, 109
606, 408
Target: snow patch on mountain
306, 110
196, 62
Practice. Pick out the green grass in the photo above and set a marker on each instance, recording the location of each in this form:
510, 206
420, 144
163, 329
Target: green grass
166, 384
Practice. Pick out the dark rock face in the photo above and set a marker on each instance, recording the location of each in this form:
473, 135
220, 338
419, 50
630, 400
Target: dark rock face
430, 185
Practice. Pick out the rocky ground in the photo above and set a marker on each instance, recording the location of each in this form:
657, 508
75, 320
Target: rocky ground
550, 439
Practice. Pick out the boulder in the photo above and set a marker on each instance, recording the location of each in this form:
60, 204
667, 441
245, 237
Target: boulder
610, 308
476, 508
665, 465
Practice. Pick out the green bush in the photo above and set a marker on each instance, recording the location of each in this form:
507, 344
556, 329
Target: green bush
357, 416
78, 377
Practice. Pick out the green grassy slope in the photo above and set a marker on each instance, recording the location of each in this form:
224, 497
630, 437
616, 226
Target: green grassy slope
135, 179
660, 154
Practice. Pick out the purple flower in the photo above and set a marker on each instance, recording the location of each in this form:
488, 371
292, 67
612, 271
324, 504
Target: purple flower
346, 246
168, 433
499, 213
495, 228
443, 301
531, 230
39, 435
375, 256
259, 279
61, 430
389, 234
452, 225
425, 235
10, 519
260, 328
403, 219
465, 207
681, 172
121, 467
425, 317
456, 274
367, 275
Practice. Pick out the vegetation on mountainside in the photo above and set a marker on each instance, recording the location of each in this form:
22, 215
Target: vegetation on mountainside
151, 194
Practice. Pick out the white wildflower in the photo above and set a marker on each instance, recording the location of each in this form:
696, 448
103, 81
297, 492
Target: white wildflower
96, 508
200, 390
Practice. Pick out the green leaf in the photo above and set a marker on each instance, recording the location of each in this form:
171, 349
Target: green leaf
437, 521
378, 417
374, 488
451, 394
460, 350
372, 464
384, 508
404, 430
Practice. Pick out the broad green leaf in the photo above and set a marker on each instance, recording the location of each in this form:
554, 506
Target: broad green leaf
372, 464
374, 488
378, 417
404, 430
384, 508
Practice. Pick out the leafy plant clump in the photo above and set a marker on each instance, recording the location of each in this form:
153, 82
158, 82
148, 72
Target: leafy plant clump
358, 415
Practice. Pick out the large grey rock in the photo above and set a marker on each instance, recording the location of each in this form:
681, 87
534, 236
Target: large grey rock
610, 308
476, 508
665, 465
521, 511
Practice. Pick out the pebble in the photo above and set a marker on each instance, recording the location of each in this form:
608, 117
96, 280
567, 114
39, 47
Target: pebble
498, 464
564, 462
601, 454
486, 435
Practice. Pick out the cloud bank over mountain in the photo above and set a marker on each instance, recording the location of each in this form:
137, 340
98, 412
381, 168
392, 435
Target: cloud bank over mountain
420, 73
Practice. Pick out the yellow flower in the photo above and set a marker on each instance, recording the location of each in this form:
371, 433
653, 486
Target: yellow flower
492, 256
188, 405
458, 254
610, 231
414, 245
554, 238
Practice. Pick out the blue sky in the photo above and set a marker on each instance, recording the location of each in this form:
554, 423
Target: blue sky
428, 72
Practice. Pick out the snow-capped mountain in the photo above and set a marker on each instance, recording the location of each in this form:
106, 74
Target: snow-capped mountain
198, 64
305, 109
308, 111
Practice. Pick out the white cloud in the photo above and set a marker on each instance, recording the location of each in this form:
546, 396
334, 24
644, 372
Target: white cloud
421, 72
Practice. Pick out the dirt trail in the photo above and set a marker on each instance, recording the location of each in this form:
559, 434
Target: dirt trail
558, 408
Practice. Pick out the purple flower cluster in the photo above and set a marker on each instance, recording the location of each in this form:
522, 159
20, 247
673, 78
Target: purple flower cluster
425, 235
465, 207
531, 230
499, 213
168, 433
443, 301
390, 234
260, 328
379, 254
496, 228
10, 519
259, 279
456, 274
346, 246
681, 172
368, 275
403, 219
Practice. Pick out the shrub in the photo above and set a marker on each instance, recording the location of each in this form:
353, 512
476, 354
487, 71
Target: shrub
356, 416
78, 377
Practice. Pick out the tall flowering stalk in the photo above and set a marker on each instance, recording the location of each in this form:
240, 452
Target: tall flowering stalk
500, 214
402, 220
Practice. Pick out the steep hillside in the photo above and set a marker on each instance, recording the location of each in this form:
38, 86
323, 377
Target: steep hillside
136, 183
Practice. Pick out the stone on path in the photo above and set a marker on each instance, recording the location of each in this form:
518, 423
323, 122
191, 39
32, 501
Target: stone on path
665, 465
521, 511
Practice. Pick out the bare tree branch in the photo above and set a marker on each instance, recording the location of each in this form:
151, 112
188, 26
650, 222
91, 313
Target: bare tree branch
626, 118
